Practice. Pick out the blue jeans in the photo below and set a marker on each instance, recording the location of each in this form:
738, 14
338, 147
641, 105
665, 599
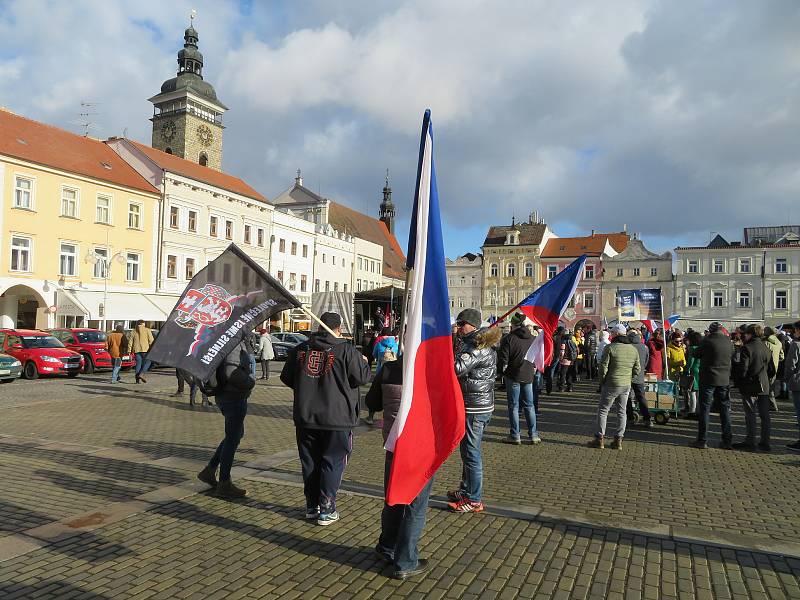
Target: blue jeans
142, 364
708, 393
116, 365
252, 359
525, 392
234, 410
402, 524
472, 471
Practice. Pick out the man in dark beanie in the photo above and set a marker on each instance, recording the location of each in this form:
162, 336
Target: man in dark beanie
519, 379
325, 373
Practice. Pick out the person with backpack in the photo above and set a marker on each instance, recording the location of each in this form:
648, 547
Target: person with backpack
567, 354
519, 379
325, 373
755, 369
231, 385
385, 348
117, 346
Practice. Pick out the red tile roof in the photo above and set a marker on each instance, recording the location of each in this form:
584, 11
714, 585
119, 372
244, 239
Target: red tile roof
181, 166
355, 223
50, 146
568, 247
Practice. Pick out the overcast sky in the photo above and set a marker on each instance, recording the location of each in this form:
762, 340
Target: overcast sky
675, 118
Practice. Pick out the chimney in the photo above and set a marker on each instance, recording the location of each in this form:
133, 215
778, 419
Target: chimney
299, 179
592, 232
624, 228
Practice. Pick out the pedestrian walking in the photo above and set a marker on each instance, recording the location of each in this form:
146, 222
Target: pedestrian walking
325, 373
234, 383
520, 379
791, 374
715, 354
775, 348
476, 369
637, 383
618, 368
755, 369
141, 340
117, 346
186, 378
265, 352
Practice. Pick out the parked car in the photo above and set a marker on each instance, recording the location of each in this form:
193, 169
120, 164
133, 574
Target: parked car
280, 347
10, 368
91, 344
40, 353
290, 338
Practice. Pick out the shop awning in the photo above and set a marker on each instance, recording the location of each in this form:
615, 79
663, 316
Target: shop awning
163, 302
119, 306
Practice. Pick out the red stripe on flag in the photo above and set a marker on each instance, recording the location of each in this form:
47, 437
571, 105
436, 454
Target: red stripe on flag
435, 423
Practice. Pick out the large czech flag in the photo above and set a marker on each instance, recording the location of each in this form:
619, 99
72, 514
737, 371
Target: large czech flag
545, 307
430, 420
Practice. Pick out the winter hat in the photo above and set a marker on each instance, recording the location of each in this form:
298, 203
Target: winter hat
714, 327
331, 319
619, 329
471, 316
518, 319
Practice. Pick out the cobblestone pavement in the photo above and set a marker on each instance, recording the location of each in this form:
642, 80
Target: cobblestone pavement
110, 464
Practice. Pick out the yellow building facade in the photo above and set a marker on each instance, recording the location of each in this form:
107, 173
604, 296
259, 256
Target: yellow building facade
78, 231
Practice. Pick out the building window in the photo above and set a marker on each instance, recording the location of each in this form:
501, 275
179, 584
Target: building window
260, 237
67, 259
101, 263
294, 249
193, 221
323, 258
528, 270
335, 286
588, 301
692, 266
692, 299
247, 234
636, 271
104, 209
358, 285
717, 299
475, 280
305, 250
228, 230
172, 266
653, 272
134, 215
360, 263
781, 300
23, 192
189, 268
511, 298
719, 265
744, 299
132, 262
203, 159
343, 263
744, 265
174, 217
552, 271
20, 253
282, 245
316, 286
292, 281
781, 265
280, 276
212, 226
588, 272
69, 202
344, 288
619, 272
304, 283
494, 270
327, 286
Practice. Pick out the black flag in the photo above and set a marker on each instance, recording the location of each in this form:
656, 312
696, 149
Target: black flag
221, 304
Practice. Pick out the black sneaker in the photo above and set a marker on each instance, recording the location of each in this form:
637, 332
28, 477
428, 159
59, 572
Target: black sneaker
725, 446
765, 447
746, 446
699, 445
795, 446
422, 566
384, 554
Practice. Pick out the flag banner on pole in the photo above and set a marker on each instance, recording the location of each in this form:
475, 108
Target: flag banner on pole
430, 420
545, 307
223, 302
651, 324
639, 305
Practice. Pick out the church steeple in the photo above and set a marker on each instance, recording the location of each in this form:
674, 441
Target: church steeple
387, 206
190, 59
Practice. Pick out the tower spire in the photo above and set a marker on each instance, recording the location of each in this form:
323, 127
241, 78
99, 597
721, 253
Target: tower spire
387, 206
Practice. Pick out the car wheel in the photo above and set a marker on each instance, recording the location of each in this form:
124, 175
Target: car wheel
88, 365
31, 372
72, 375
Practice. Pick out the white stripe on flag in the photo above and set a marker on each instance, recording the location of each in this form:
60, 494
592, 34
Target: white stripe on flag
535, 353
413, 336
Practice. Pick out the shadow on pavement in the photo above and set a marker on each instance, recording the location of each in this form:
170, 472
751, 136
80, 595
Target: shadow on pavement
47, 589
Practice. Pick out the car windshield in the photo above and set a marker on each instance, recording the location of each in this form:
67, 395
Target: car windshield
90, 336
274, 338
41, 341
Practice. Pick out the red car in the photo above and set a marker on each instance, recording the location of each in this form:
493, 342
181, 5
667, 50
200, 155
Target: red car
40, 353
91, 344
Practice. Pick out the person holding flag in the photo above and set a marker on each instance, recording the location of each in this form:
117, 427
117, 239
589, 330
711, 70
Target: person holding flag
428, 421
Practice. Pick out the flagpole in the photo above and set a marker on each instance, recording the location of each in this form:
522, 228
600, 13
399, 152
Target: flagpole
664, 330
317, 319
404, 308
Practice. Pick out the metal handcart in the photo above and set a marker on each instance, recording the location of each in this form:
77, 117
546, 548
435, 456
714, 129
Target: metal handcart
663, 401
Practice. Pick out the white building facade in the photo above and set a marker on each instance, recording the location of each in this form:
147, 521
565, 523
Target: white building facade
333, 261
464, 282
368, 271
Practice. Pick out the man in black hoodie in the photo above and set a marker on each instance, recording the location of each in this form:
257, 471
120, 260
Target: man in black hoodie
520, 376
325, 373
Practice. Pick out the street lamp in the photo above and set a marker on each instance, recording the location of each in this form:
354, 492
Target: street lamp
106, 261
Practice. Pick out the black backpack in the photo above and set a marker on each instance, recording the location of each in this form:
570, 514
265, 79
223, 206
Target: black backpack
215, 384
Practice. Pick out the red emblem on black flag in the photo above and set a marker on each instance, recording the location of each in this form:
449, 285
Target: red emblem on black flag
209, 306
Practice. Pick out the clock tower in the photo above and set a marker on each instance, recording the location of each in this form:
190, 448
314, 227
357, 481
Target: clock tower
187, 116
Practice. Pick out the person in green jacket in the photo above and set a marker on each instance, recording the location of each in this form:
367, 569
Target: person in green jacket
619, 365
693, 369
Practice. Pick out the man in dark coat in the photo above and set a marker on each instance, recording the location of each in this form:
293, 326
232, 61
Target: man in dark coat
753, 380
715, 353
519, 379
325, 373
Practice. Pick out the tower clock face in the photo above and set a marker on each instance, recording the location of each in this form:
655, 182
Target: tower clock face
168, 131
205, 135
